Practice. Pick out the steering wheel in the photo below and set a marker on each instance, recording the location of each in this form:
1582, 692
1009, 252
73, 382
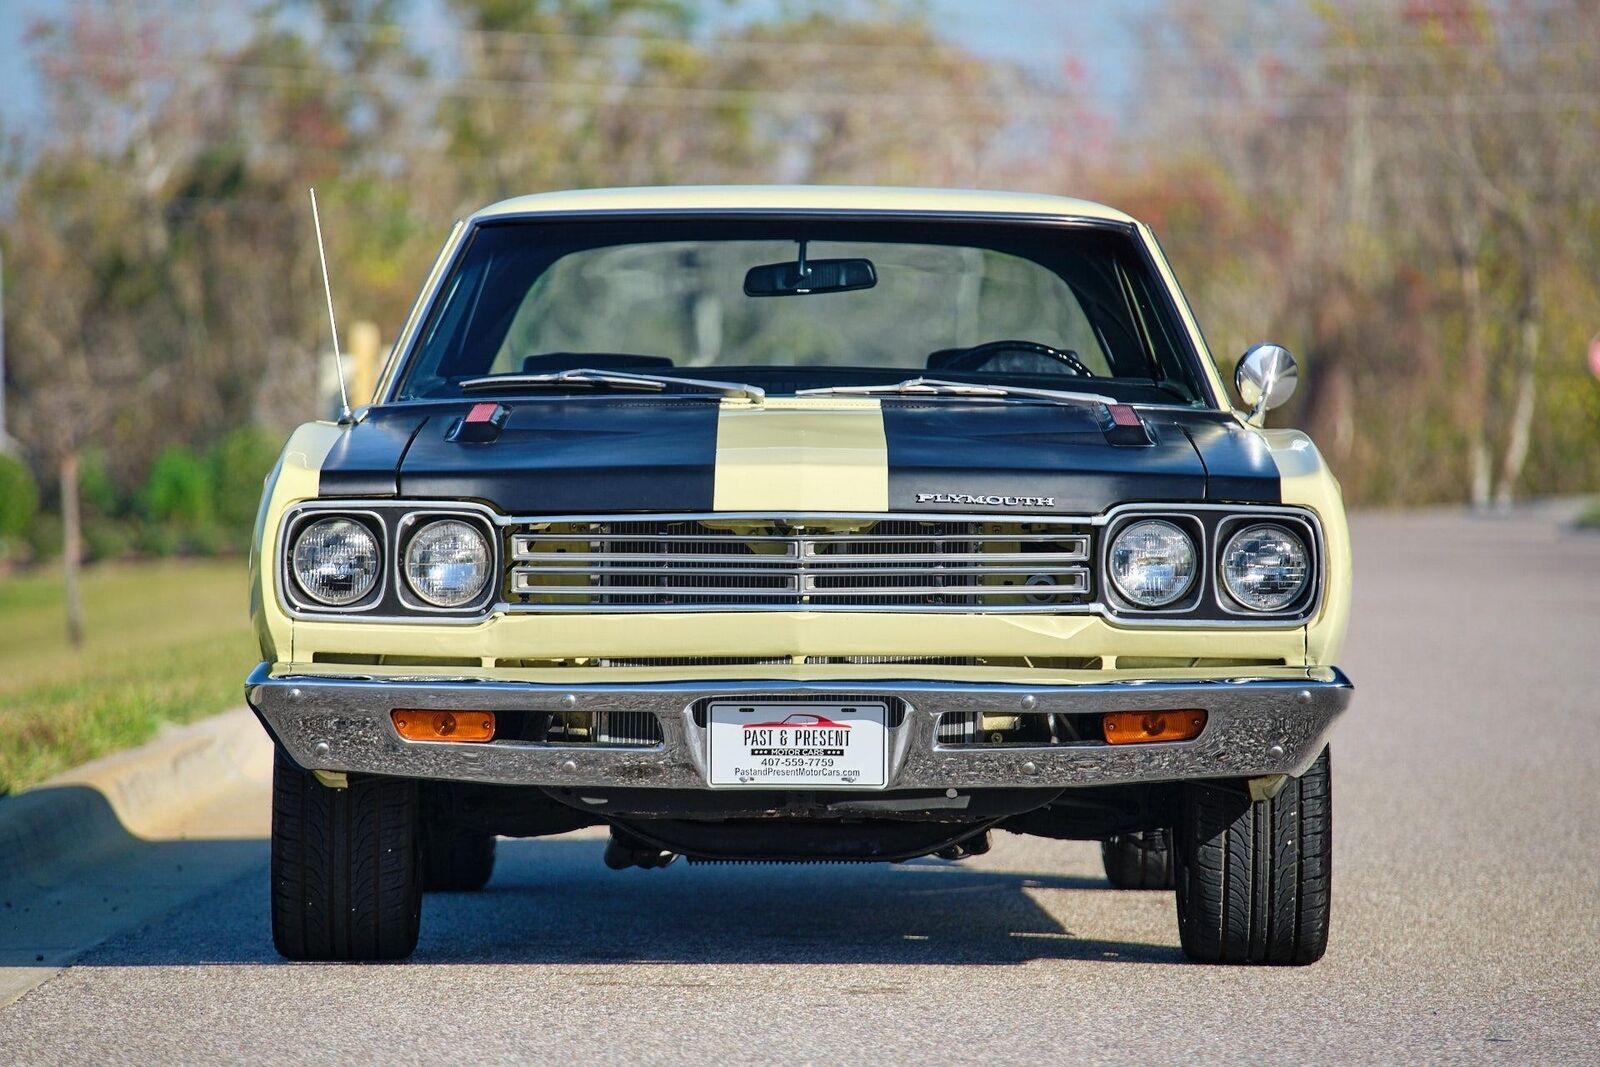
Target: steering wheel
977, 356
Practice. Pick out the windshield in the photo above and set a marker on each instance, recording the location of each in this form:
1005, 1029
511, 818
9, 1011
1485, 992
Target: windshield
789, 305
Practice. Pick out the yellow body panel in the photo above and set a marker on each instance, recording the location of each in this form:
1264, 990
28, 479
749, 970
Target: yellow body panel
786, 634
295, 478
1306, 481
801, 454
802, 198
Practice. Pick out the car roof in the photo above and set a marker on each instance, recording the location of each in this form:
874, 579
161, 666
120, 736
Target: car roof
779, 198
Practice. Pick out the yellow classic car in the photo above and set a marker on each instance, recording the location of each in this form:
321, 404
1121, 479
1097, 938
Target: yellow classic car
786, 524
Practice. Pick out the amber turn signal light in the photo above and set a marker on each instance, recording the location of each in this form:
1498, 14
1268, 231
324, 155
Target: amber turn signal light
1138, 727
415, 725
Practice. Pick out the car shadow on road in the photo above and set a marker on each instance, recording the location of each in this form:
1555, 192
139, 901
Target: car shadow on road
553, 901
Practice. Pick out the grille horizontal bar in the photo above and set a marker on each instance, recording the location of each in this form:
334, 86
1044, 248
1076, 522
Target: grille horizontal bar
707, 563
569, 560
521, 542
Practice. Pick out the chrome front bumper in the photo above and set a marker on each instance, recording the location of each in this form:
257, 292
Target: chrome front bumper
1254, 727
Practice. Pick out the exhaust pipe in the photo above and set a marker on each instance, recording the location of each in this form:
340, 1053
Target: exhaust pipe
624, 851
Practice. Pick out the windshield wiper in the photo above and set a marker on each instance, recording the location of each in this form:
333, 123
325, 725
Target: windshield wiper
939, 387
651, 383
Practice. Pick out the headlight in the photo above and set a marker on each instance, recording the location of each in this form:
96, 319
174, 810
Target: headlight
1265, 567
336, 561
447, 563
1152, 563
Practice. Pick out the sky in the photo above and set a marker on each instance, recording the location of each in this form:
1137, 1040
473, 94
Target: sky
1040, 34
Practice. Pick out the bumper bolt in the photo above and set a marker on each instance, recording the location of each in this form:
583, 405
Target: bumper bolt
1276, 751
1030, 702
321, 749
569, 701
1030, 768
1304, 696
569, 766
295, 694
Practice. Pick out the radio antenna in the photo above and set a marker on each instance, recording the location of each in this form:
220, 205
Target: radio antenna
333, 323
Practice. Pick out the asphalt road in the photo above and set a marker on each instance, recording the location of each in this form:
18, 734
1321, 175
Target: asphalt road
1466, 923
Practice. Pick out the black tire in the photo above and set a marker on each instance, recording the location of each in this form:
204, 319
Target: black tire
1140, 860
1254, 880
455, 860
346, 871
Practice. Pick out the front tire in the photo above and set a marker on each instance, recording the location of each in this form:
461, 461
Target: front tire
1140, 860
346, 870
456, 860
1254, 880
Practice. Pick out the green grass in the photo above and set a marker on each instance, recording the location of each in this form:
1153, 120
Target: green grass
163, 642
1590, 518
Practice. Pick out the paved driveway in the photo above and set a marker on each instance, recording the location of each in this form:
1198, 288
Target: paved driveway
1466, 922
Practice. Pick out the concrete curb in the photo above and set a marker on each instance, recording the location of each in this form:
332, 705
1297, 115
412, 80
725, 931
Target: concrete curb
76, 819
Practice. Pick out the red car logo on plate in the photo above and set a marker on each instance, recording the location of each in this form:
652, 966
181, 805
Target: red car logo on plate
799, 720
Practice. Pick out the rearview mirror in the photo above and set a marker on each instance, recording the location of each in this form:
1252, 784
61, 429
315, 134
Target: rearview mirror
1265, 377
801, 277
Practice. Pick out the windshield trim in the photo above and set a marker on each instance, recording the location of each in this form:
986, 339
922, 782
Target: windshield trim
406, 345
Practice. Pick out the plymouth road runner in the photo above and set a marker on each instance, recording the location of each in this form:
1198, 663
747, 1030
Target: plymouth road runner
799, 524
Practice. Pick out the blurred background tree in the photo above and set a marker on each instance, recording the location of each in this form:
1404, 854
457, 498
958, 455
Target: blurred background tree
1407, 194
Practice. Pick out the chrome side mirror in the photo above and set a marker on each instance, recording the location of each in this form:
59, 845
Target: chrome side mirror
1265, 377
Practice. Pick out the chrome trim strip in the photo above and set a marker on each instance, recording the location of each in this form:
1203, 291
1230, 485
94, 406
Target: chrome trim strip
520, 542
806, 519
1255, 726
1077, 581
638, 562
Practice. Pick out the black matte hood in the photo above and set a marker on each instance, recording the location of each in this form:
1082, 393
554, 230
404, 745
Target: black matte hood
626, 454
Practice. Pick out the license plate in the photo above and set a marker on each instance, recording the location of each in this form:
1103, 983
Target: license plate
778, 746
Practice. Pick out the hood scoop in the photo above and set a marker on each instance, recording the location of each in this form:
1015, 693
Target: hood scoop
1123, 427
479, 426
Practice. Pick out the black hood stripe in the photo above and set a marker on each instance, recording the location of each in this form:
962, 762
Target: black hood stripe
950, 456
1239, 466
365, 460
576, 457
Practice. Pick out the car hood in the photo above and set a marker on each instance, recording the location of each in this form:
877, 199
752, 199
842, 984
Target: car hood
698, 454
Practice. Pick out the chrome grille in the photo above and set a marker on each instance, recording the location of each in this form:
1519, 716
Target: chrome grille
626, 728
716, 563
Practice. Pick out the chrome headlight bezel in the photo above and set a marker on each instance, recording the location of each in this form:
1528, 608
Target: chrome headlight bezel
1207, 603
417, 527
1299, 532
392, 522
1185, 596
294, 586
